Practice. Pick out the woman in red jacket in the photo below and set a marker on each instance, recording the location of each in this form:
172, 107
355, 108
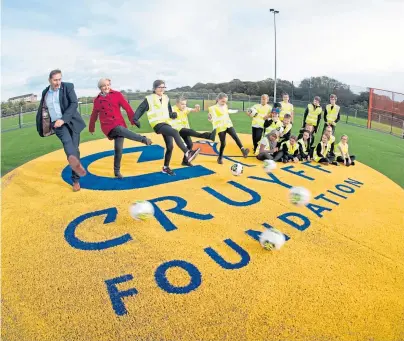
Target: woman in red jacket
107, 107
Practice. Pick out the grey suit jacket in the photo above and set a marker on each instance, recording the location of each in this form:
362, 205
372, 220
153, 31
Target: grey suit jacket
68, 106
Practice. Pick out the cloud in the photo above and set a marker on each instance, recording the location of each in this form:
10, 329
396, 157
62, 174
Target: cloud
134, 43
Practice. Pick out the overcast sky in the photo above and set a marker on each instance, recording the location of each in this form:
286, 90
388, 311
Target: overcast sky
359, 42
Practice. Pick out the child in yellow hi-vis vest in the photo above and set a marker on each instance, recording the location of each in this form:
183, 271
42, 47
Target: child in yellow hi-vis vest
321, 151
342, 152
312, 115
159, 111
331, 143
331, 114
181, 124
286, 108
219, 116
259, 112
287, 128
290, 150
273, 123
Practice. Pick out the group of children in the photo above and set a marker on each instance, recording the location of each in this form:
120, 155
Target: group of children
271, 128
272, 138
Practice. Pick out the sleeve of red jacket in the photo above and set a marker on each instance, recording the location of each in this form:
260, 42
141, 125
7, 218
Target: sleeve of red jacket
93, 119
124, 104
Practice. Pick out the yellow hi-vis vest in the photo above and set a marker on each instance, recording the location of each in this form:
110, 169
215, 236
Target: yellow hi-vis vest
262, 110
305, 146
286, 108
182, 118
324, 151
344, 148
158, 111
220, 118
313, 114
332, 114
331, 141
274, 125
291, 149
287, 128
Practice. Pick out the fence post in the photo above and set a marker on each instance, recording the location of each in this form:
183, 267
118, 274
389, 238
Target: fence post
20, 117
370, 108
391, 124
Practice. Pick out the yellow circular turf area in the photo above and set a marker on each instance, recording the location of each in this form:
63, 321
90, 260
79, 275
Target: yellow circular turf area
76, 266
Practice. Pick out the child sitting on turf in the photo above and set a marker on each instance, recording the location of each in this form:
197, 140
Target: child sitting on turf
342, 152
290, 150
286, 129
268, 149
331, 142
321, 151
305, 149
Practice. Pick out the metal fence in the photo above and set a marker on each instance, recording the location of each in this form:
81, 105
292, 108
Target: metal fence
356, 114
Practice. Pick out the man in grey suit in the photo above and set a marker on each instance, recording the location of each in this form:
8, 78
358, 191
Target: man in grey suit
59, 104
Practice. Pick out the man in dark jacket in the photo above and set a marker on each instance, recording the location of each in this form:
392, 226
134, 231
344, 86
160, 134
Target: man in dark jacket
59, 103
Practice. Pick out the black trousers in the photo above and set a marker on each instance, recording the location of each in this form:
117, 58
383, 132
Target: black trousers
341, 159
267, 156
324, 159
287, 157
71, 142
170, 134
119, 134
186, 134
256, 136
222, 137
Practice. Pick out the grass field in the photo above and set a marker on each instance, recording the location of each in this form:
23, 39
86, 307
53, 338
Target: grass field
380, 151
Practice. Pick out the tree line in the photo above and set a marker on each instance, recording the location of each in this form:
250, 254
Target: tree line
240, 90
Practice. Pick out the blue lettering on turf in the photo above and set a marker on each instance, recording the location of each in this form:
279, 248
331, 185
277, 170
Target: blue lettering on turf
163, 282
317, 166
305, 222
317, 209
74, 241
245, 257
255, 197
298, 173
116, 296
178, 209
274, 180
148, 153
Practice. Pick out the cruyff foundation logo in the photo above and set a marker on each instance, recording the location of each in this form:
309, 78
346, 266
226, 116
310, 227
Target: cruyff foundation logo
325, 202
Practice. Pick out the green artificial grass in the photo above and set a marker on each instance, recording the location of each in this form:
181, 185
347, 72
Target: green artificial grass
381, 151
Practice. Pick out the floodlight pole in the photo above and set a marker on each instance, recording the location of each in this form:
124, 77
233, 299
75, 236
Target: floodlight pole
275, 12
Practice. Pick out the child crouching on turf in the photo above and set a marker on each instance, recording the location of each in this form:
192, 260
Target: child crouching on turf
290, 150
286, 129
268, 149
321, 151
342, 152
274, 122
305, 149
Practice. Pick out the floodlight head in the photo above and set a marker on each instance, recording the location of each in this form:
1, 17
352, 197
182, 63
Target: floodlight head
271, 10
276, 12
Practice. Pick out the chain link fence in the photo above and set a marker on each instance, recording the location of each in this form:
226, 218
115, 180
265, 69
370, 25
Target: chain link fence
23, 115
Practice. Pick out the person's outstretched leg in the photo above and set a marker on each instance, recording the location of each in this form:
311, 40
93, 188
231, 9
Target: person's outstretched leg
118, 148
126, 133
167, 157
222, 138
167, 130
232, 132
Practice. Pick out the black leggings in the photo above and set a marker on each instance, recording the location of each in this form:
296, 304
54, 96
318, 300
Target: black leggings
256, 136
267, 156
119, 134
186, 134
169, 133
222, 137
341, 159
